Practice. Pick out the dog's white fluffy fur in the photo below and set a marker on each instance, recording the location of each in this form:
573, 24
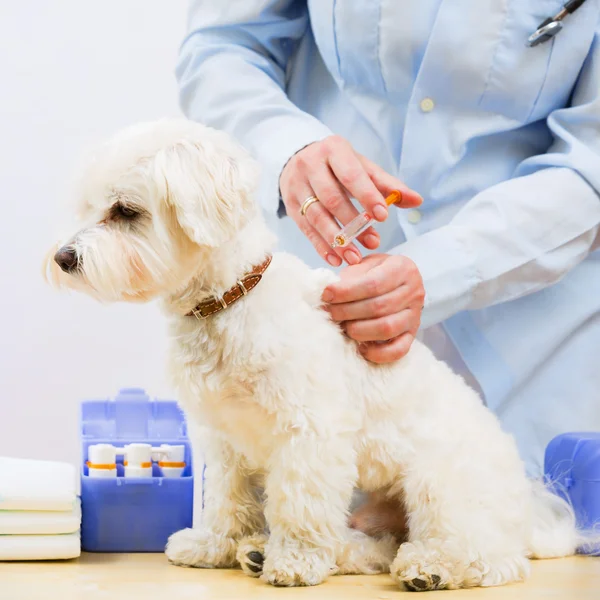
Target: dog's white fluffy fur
278, 398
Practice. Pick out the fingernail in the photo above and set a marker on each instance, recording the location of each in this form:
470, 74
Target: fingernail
327, 296
380, 212
351, 257
334, 260
372, 239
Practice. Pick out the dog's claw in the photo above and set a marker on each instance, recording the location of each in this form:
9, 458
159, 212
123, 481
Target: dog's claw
422, 585
416, 585
251, 555
255, 561
254, 568
256, 557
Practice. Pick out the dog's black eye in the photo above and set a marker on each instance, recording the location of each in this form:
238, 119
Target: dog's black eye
122, 210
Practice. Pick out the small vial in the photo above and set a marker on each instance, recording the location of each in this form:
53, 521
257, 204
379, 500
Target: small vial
172, 461
360, 223
138, 460
102, 461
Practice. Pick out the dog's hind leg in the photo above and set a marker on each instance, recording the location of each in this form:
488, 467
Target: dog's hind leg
464, 529
232, 510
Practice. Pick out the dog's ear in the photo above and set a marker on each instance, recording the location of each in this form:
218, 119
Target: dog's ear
210, 186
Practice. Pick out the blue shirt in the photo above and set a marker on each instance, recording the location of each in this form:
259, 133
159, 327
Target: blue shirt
502, 141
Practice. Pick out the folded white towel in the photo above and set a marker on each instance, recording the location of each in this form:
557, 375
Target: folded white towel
39, 547
36, 485
31, 522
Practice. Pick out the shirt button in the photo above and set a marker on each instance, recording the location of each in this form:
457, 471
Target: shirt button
413, 217
427, 105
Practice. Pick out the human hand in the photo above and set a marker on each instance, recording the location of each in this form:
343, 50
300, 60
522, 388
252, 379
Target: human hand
332, 171
379, 304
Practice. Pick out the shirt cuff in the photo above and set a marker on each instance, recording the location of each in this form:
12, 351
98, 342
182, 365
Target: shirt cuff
289, 136
448, 267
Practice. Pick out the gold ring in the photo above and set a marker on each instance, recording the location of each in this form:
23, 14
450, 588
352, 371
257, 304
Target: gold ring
305, 205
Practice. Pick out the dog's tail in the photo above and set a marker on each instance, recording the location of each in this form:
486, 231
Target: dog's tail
554, 531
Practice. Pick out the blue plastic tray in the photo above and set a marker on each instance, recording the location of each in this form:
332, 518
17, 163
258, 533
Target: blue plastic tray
572, 467
133, 515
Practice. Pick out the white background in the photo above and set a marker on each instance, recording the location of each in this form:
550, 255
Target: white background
71, 73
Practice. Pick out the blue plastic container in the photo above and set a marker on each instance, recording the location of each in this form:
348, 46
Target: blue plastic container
133, 515
572, 467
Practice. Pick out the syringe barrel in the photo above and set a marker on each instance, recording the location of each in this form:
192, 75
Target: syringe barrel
350, 231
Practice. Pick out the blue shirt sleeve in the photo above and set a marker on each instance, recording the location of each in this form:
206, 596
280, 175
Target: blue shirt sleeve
526, 233
232, 74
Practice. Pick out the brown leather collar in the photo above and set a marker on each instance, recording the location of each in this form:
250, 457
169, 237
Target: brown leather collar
213, 305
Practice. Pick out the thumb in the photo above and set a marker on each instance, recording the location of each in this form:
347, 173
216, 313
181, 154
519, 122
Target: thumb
387, 183
366, 264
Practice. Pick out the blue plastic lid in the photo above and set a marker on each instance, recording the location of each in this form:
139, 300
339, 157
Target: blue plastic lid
573, 457
132, 415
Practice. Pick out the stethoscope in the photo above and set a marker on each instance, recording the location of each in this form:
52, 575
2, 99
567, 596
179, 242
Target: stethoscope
552, 26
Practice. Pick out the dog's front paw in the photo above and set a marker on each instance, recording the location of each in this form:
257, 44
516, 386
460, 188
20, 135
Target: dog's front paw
201, 548
251, 554
294, 567
436, 565
421, 568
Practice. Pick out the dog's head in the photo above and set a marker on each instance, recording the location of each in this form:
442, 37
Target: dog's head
153, 204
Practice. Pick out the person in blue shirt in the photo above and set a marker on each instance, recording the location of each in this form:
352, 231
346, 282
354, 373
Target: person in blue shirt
352, 99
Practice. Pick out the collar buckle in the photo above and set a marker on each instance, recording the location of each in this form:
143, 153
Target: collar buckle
197, 312
242, 287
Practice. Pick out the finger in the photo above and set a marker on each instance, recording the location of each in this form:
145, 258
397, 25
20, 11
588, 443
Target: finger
373, 308
377, 281
387, 183
390, 352
331, 194
352, 272
323, 249
334, 198
367, 263
350, 172
321, 220
381, 329
325, 225
369, 239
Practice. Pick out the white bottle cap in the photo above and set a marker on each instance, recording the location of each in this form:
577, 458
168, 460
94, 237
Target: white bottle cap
137, 455
102, 454
172, 453
138, 460
172, 460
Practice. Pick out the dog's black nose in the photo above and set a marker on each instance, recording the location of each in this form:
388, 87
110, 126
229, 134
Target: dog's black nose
66, 258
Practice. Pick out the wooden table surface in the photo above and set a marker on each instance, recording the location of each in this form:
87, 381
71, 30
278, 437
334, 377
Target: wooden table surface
150, 577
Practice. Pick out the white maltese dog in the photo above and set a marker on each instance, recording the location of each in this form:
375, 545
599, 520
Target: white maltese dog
289, 417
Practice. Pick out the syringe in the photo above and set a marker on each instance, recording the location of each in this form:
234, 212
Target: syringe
360, 223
